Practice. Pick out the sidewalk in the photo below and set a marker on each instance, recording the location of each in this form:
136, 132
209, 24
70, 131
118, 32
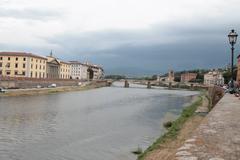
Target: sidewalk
218, 136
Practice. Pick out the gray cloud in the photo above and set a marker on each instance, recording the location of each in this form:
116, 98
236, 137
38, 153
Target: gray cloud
156, 50
177, 46
29, 14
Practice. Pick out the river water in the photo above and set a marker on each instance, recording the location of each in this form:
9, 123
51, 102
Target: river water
100, 124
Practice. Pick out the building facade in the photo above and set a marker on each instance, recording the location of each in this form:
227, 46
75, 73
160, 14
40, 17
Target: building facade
186, 77
171, 76
238, 67
21, 64
65, 70
76, 70
53, 67
213, 78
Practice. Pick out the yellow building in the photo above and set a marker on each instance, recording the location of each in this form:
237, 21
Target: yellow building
65, 70
21, 64
58, 69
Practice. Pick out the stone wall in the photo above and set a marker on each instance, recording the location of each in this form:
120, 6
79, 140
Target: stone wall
215, 93
33, 83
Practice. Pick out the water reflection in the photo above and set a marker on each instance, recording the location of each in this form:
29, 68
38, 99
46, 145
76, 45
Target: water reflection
102, 124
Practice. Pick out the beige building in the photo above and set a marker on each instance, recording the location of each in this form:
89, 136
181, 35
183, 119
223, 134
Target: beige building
171, 76
21, 64
213, 78
238, 72
53, 67
186, 77
93, 71
65, 70
57, 69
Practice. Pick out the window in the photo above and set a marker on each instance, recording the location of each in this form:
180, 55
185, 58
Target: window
24, 65
31, 66
31, 59
40, 61
1, 58
0, 72
16, 73
24, 59
16, 58
36, 60
16, 65
8, 65
40, 67
31, 74
8, 72
23, 73
36, 66
9, 58
0, 64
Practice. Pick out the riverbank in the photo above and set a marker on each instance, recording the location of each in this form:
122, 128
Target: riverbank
166, 146
41, 91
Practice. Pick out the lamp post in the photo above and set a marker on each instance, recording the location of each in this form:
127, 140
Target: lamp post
232, 36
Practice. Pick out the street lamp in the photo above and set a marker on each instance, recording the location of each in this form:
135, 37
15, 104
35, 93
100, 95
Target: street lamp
232, 36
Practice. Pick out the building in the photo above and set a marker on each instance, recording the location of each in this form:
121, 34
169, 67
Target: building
86, 71
213, 78
65, 70
79, 70
21, 64
186, 77
238, 72
171, 76
76, 70
94, 71
53, 67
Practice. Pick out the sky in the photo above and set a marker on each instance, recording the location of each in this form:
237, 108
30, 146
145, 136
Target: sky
131, 37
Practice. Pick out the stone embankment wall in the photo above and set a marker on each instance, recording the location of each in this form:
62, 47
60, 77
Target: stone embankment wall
16, 83
217, 138
215, 93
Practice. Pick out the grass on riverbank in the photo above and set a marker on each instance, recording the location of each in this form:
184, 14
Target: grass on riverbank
175, 128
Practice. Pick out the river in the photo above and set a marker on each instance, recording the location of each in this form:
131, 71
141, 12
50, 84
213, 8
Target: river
100, 124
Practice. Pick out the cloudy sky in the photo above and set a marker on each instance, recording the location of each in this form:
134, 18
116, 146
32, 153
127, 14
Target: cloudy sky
125, 36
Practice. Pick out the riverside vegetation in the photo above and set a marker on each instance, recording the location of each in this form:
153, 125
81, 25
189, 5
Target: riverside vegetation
175, 128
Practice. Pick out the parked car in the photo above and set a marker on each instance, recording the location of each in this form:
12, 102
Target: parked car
2, 90
39, 86
52, 85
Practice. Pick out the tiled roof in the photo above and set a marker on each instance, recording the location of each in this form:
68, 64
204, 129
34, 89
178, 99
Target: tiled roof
22, 54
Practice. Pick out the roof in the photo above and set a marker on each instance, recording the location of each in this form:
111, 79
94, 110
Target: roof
64, 62
75, 62
22, 54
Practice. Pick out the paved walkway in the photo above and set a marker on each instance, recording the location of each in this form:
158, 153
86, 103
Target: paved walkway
218, 137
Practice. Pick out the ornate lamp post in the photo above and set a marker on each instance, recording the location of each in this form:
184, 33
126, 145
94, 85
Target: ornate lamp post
232, 36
